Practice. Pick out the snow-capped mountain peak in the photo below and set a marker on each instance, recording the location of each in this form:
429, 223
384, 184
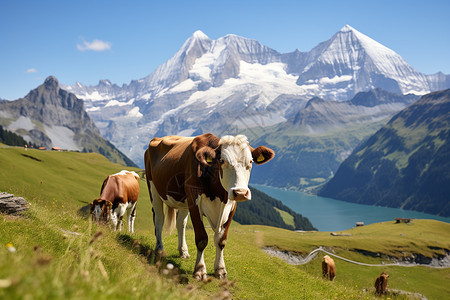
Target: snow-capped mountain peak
233, 82
360, 62
347, 28
200, 35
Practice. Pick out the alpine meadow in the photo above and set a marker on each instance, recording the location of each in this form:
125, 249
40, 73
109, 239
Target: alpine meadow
224, 150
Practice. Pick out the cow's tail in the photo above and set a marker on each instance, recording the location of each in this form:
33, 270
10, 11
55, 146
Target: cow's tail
171, 219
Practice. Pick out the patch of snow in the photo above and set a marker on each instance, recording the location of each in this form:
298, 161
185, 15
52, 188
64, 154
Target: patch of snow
118, 103
201, 70
335, 80
21, 123
94, 96
185, 86
419, 93
92, 109
146, 96
61, 137
134, 113
270, 79
200, 35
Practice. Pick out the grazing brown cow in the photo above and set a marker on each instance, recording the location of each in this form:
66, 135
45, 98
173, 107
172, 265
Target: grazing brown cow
119, 192
202, 176
381, 283
328, 268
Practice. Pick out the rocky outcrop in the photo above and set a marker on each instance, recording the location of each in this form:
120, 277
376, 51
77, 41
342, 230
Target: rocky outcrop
12, 205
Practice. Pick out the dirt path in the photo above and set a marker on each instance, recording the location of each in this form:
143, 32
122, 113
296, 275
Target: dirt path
295, 259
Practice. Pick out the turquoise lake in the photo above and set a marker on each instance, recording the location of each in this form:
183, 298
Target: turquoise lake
333, 215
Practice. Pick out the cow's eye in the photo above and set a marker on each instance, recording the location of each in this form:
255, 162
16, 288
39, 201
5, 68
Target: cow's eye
221, 161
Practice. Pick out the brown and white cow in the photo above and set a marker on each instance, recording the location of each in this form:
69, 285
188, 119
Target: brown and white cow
119, 192
381, 283
203, 176
328, 268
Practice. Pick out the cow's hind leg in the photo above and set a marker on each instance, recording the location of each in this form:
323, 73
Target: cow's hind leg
158, 218
131, 217
182, 217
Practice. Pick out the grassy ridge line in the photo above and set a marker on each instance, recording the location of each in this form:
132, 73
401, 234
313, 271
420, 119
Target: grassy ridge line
67, 265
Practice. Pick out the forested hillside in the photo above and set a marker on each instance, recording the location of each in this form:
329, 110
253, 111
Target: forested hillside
261, 211
10, 138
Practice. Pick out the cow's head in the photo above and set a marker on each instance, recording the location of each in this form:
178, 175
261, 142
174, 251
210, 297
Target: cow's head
100, 210
233, 157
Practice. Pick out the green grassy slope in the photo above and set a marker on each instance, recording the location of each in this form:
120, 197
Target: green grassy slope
403, 165
59, 256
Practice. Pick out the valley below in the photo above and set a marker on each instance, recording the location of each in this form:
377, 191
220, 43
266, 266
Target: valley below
328, 214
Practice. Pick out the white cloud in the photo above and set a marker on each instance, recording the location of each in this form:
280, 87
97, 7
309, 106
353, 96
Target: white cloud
31, 70
95, 45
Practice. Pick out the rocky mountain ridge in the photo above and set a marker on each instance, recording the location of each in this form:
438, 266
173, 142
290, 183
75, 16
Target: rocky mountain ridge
52, 117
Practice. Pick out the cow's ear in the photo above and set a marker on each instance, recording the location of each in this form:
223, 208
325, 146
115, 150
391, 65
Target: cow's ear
206, 156
262, 154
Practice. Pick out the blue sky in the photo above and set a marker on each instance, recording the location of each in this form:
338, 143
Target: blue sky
89, 40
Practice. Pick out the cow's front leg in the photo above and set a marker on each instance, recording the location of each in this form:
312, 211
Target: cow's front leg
120, 211
200, 267
219, 264
114, 219
182, 216
201, 240
220, 240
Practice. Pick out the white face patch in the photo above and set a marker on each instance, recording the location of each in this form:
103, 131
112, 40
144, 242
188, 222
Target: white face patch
236, 164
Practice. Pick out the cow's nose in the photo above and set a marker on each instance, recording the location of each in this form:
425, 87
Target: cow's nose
241, 194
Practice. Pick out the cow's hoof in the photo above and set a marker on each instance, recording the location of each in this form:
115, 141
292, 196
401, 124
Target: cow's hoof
220, 273
184, 255
160, 254
201, 276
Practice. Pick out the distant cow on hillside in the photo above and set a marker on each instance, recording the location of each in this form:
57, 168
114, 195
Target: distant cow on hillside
119, 192
328, 268
381, 283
